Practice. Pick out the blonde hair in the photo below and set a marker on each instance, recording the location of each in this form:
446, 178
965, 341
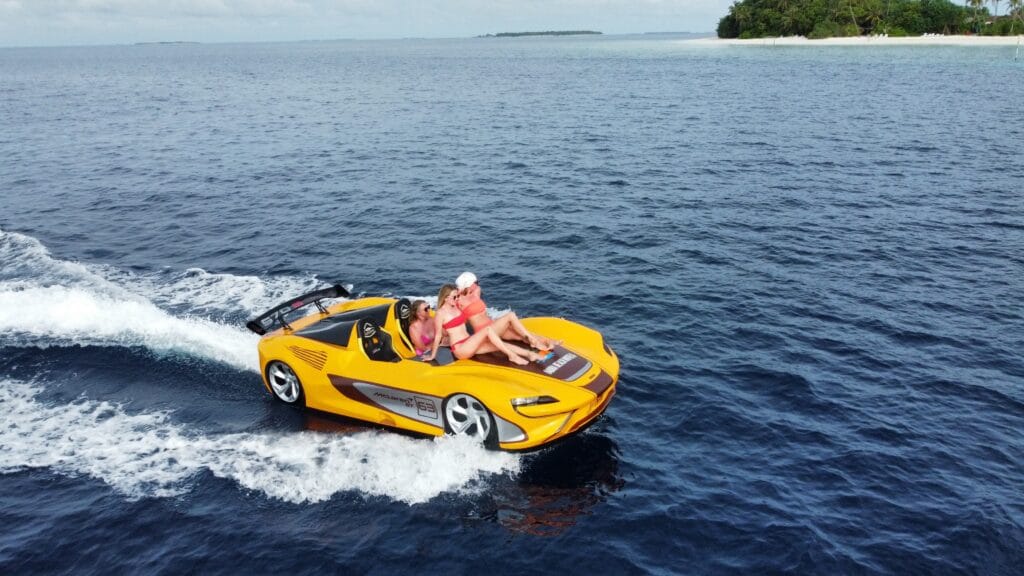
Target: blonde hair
446, 289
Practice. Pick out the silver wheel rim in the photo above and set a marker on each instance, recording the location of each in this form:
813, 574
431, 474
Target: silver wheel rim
283, 382
466, 416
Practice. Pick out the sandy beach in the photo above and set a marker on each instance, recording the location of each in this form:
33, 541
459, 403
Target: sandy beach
933, 40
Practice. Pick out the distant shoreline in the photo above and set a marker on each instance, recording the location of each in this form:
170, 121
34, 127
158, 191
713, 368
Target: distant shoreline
546, 33
929, 40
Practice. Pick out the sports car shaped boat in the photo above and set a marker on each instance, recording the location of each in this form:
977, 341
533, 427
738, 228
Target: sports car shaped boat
354, 358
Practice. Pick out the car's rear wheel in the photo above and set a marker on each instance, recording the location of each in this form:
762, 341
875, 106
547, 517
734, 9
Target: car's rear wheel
467, 416
285, 384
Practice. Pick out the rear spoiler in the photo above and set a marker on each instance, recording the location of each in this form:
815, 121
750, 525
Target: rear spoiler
274, 318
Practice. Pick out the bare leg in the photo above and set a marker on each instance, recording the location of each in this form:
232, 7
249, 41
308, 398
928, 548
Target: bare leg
474, 344
513, 356
533, 356
511, 328
486, 341
487, 346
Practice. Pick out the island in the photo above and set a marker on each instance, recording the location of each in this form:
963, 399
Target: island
547, 33
816, 19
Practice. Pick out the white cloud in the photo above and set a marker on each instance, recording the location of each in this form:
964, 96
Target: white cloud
49, 22
169, 8
10, 7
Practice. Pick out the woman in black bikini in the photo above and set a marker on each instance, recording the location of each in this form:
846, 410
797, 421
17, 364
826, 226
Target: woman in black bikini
450, 321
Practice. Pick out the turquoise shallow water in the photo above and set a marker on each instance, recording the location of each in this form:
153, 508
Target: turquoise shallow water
809, 260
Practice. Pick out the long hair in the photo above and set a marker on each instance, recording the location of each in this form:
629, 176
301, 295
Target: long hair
446, 289
416, 309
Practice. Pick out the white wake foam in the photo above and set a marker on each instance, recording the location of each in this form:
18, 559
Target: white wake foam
148, 455
25, 259
205, 292
55, 315
45, 301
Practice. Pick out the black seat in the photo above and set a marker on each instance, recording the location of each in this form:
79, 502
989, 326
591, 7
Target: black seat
403, 313
376, 342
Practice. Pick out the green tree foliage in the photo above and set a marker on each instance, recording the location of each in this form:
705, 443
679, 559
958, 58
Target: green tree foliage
1016, 15
828, 18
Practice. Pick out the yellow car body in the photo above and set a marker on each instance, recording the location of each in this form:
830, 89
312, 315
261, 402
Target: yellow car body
354, 359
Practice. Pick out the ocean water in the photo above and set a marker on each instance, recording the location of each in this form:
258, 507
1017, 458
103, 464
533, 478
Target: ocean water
810, 261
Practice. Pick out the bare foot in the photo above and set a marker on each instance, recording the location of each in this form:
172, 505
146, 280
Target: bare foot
518, 360
535, 341
543, 344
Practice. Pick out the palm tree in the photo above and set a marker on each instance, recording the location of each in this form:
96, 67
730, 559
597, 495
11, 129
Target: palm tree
1015, 12
976, 4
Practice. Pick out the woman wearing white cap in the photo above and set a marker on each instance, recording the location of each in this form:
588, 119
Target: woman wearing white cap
507, 326
450, 322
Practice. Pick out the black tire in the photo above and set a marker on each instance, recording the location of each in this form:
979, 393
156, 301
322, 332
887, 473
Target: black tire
285, 385
464, 415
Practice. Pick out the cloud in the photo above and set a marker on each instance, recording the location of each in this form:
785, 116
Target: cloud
10, 7
168, 8
66, 22
313, 8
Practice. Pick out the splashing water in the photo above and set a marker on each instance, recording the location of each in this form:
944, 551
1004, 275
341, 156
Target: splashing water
148, 455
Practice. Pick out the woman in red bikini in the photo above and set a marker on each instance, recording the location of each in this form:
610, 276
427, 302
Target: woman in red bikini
451, 322
506, 326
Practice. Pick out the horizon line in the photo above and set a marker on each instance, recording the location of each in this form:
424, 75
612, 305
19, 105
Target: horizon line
341, 39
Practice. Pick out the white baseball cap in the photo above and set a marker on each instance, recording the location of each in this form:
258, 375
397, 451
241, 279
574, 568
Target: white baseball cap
465, 280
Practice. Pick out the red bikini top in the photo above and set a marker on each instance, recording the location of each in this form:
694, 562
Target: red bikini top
457, 321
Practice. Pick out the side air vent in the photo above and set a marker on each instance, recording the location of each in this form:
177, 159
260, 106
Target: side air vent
314, 358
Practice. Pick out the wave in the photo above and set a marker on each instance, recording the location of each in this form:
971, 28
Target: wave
198, 291
149, 455
46, 301
25, 259
59, 316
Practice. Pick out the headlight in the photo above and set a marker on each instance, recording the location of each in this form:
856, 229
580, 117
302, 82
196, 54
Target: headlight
531, 400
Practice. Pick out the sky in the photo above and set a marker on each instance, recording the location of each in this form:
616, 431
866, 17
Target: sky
91, 22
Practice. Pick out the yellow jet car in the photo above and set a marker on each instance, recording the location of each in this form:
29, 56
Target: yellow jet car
354, 358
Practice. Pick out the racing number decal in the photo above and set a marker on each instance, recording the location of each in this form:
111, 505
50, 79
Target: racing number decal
422, 408
425, 407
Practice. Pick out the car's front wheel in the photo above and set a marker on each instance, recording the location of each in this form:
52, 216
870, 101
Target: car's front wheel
285, 384
467, 416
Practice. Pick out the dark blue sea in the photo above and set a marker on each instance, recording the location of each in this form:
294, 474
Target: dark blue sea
810, 261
